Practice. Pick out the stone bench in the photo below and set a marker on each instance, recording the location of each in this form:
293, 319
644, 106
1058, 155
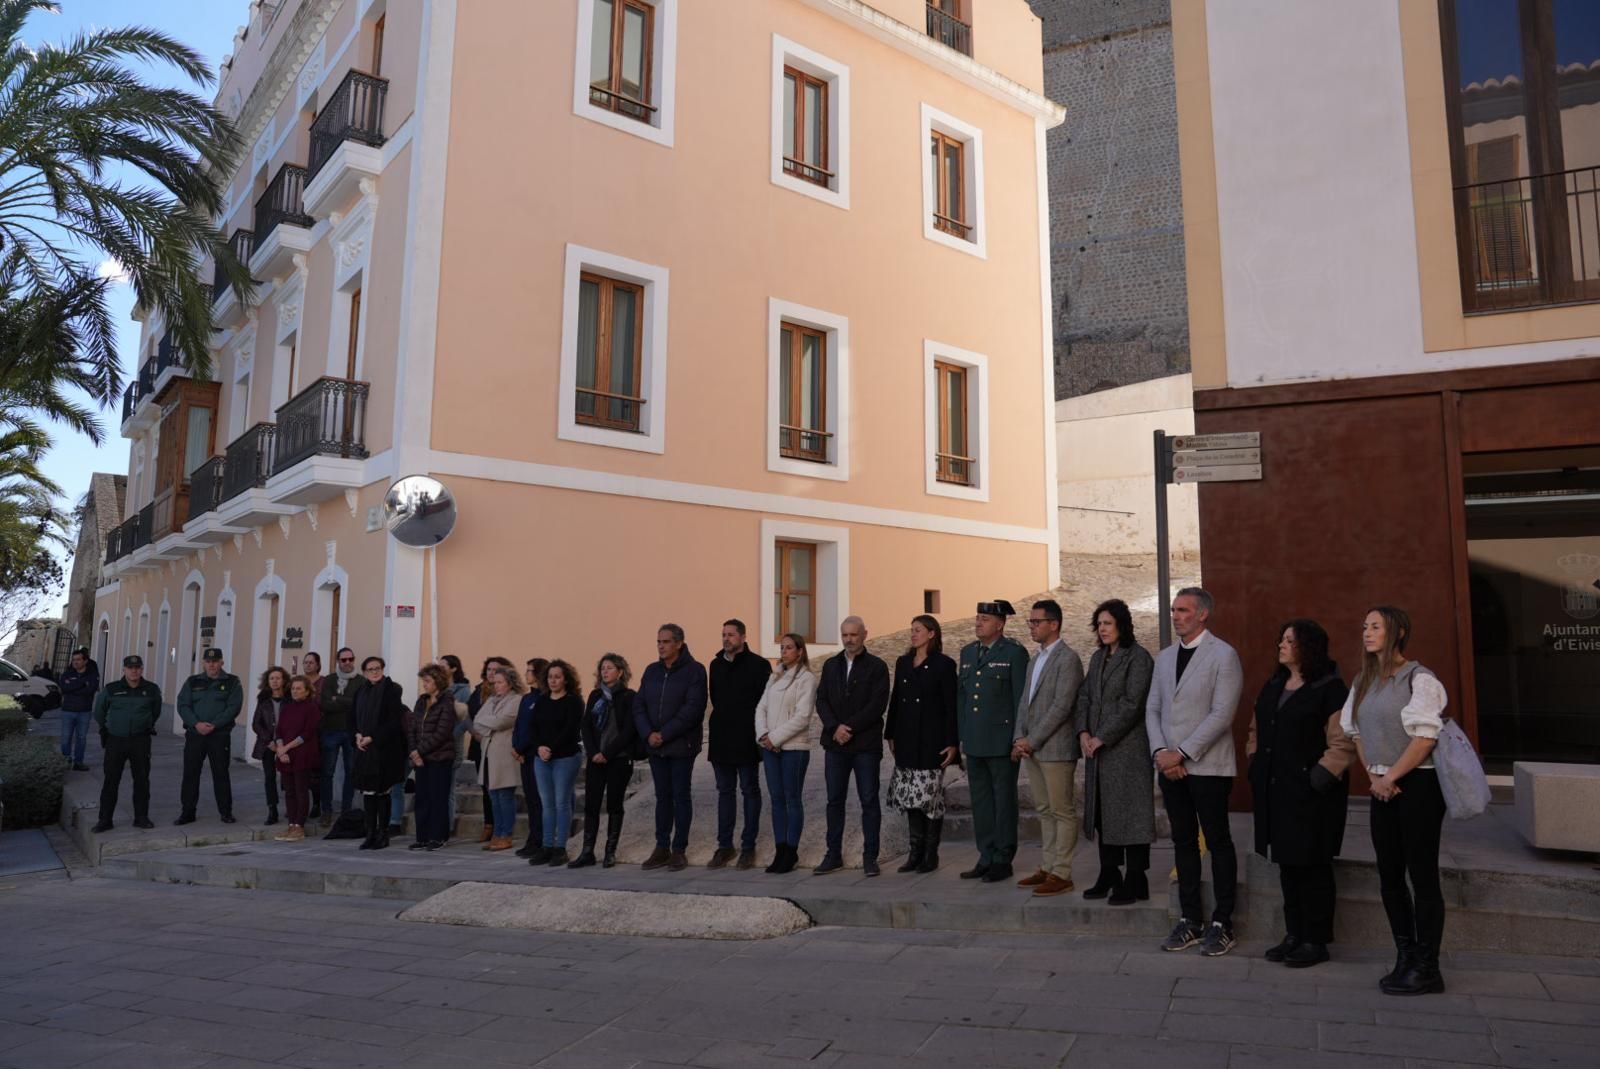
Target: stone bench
1558, 805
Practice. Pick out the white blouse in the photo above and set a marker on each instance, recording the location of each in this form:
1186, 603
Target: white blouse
1422, 717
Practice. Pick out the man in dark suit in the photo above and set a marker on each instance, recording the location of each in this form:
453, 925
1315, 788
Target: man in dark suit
851, 700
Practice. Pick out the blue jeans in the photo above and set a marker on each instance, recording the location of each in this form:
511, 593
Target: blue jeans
836, 769
745, 778
503, 801
555, 779
786, 779
335, 744
674, 807
75, 734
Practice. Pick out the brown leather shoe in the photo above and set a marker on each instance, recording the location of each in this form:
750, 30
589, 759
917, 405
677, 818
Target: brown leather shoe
488, 833
657, 859
1035, 880
1052, 885
501, 844
747, 859
677, 863
721, 858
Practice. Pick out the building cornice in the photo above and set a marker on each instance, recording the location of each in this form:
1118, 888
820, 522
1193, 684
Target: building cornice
282, 68
916, 43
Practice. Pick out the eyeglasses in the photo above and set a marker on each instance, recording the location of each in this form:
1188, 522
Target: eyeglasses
1032, 622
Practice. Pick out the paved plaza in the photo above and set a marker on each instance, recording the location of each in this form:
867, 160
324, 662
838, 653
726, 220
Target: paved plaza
98, 972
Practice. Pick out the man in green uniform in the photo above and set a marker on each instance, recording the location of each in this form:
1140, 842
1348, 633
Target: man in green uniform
126, 711
209, 704
992, 680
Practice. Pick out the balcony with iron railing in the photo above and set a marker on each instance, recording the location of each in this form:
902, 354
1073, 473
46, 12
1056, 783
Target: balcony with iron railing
953, 468
247, 464
205, 488
326, 419
1530, 242
242, 244
137, 535
282, 228
142, 387
947, 29
353, 113
114, 543
803, 443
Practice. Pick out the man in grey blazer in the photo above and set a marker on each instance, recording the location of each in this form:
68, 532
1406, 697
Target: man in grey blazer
1189, 717
1047, 742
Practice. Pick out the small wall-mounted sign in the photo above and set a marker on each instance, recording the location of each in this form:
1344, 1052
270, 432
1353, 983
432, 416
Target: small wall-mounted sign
208, 623
294, 638
406, 612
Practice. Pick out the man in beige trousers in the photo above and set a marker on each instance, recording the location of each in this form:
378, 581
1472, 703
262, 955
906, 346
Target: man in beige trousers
1046, 741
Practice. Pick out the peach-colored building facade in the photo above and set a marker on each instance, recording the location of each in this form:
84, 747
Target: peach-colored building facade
674, 295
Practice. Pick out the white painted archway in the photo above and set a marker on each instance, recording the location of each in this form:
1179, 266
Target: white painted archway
143, 647
267, 618
188, 657
102, 646
127, 632
330, 607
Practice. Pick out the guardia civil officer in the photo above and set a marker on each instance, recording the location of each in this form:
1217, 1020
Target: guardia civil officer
209, 704
991, 680
126, 711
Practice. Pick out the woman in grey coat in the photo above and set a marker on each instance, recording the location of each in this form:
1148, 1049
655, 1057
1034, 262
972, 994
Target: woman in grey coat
1119, 809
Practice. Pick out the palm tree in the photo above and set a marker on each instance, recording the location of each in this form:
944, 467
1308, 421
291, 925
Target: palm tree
30, 524
72, 116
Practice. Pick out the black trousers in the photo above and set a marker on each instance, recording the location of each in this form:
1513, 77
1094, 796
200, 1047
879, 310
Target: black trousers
1405, 836
1308, 897
605, 784
197, 750
433, 801
530, 795
1193, 803
135, 753
269, 771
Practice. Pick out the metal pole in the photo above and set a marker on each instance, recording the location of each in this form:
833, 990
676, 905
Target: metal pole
1163, 561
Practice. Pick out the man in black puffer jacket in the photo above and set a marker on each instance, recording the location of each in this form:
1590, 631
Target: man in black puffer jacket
669, 712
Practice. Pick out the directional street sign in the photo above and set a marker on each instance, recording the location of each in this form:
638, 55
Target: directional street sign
1239, 440
1222, 473
1211, 458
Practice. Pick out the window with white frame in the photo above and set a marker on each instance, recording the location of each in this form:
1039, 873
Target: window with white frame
808, 391
626, 65
956, 422
613, 351
952, 182
805, 584
810, 123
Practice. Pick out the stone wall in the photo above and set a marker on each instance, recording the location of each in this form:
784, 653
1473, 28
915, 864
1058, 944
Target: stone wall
1116, 213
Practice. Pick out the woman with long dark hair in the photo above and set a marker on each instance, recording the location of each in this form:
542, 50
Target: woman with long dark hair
1394, 713
610, 745
1298, 757
379, 718
557, 740
522, 744
461, 691
783, 722
922, 735
1119, 809
433, 752
271, 693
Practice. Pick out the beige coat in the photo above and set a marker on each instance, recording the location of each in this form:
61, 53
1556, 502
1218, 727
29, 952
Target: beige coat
786, 708
493, 725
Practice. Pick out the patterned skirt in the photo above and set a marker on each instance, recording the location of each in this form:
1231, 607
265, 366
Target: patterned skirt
918, 788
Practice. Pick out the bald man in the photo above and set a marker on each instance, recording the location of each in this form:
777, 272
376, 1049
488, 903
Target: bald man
851, 701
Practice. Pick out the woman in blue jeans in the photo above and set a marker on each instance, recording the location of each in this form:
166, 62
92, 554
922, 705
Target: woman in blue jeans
783, 730
557, 739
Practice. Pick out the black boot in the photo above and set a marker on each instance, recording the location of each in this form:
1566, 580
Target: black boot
917, 837
369, 815
782, 860
381, 834
585, 856
1404, 947
613, 836
930, 850
1420, 976
272, 815
1135, 881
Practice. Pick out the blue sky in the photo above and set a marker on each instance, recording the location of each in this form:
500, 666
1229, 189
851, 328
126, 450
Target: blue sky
208, 27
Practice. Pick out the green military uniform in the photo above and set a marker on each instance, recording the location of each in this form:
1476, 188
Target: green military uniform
991, 683
127, 718
215, 701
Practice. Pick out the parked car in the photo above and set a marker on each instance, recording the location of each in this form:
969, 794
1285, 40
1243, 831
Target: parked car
34, 693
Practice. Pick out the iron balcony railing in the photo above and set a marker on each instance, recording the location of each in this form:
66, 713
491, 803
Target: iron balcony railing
248, 461
205, 487
326, 419
803, 443
353, 113
953, 468
1530, 242
130, 399
144, 383
243, 244
283, 202
142, 524
167, 356
949, 30
114, 542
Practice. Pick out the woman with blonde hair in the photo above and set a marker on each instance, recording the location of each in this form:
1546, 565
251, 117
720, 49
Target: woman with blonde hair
610, 746
1394, 713
296, 751
783, 721
497, 770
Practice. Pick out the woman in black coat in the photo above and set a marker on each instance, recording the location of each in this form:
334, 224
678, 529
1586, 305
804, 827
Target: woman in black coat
1298, 758
922, 734
381, 746
610, 746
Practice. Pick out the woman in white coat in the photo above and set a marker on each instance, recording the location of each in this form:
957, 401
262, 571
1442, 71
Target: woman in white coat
783, 731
